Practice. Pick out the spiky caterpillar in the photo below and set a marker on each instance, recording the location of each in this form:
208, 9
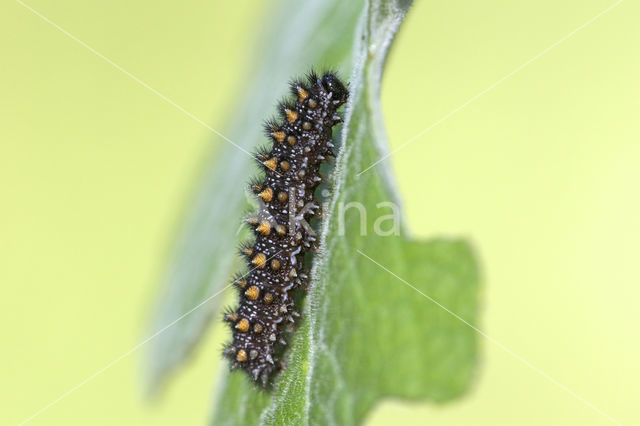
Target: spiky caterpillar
267, 308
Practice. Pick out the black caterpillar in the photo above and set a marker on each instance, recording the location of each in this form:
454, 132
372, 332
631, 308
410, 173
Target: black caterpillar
269, 291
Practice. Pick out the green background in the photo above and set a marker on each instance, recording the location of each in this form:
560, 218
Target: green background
540, 173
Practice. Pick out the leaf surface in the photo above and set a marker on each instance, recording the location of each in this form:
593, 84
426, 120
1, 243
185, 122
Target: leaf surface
299, 35
386, 315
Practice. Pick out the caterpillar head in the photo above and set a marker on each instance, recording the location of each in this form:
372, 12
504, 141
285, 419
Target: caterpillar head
333, 85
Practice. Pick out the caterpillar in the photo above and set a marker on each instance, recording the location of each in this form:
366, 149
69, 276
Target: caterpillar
269, 294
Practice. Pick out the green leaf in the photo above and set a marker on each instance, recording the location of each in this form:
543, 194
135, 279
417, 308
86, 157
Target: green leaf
386, 316
318, 33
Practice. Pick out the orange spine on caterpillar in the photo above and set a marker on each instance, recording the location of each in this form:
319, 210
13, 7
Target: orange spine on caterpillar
268, 293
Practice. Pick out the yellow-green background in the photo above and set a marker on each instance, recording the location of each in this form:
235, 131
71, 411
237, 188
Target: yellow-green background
541, 173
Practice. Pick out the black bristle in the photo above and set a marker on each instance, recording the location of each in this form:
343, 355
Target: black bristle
312, 78
245, 250
285, 105
270, 126
255, 184
294, 85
